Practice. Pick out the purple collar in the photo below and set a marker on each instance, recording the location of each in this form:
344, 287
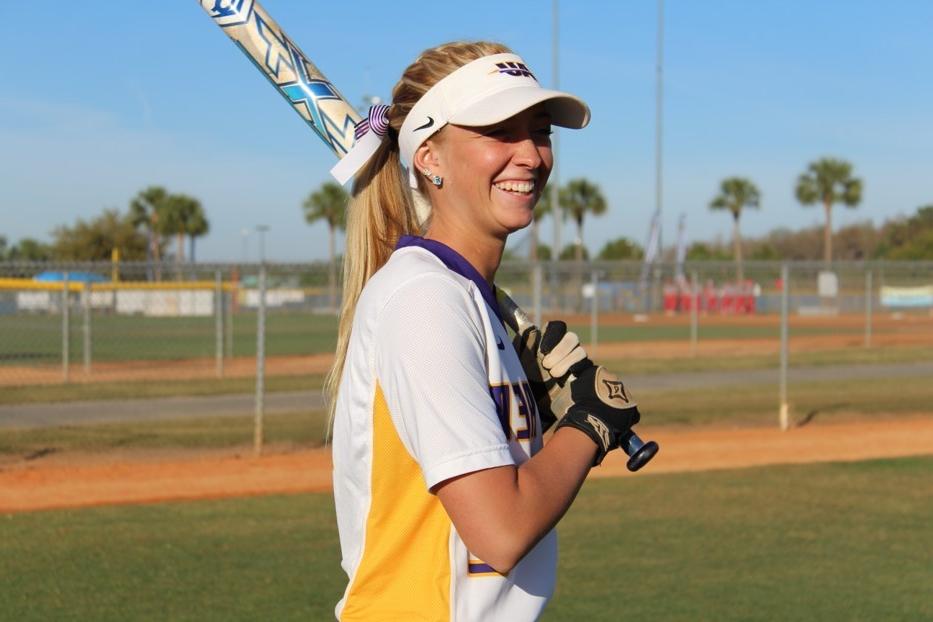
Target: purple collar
455, 262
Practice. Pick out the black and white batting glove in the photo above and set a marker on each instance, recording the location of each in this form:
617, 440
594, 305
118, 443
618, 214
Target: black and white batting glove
547, 356
601, 407
571, 391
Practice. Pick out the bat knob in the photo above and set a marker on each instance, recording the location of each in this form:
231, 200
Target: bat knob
639, 452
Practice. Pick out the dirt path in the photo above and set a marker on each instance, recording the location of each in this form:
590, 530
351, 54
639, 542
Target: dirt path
80, 481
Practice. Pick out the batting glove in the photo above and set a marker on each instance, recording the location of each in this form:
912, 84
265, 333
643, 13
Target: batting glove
601, 408
571, 391
546, 358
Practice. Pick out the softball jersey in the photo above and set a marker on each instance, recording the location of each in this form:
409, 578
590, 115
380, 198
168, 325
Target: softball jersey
431, 389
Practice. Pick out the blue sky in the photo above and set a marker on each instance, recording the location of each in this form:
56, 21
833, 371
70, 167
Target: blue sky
100, 99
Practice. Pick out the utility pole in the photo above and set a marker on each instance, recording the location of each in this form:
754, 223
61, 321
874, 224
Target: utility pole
555, 177
261, 230
659, 117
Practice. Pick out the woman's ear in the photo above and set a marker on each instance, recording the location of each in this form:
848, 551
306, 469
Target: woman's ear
426, 158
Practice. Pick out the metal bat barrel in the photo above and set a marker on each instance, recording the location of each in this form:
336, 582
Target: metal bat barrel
295, 77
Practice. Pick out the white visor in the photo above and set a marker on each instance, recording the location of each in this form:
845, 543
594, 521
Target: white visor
483, 92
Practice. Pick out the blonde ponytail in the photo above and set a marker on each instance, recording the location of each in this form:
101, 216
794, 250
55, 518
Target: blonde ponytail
379, 214
383, 209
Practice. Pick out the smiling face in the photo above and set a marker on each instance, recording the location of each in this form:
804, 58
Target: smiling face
493, 175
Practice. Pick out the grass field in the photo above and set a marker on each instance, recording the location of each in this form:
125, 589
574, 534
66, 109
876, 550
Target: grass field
143, 389
305, 429
817, 542
27, 339
136, 389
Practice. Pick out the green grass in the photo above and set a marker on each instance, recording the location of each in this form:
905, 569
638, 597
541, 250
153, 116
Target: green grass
758, 404
272, 558
36, 339
141, 389
847, 541
642, 365
815, 542
681, 332
817, 358
305, 429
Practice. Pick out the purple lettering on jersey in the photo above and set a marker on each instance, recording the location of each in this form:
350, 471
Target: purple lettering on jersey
526, 425
501, 395
529, 398
456, 263
525, 411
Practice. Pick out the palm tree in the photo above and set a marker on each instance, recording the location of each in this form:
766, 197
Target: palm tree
198, 226
175, 217
829, 181
329, 203
735, 194
578, 198
144, 213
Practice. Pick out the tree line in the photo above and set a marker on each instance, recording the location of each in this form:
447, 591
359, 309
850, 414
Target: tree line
826, 182
577, 199
143, 232
156, 217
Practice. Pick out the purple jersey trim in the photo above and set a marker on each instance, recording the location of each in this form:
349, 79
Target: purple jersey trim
457, 263
481, 568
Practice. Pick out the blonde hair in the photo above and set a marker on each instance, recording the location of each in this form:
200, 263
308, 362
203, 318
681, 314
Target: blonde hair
382, 208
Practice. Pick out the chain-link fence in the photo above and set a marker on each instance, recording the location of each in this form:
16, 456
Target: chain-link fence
190, 343
631, 287
82, 322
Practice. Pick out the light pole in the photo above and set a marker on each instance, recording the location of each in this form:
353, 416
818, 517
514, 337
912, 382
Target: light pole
261, 230
260, 345
659, 116
555, 177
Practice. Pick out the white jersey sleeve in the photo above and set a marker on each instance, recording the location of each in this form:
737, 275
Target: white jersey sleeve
431, 360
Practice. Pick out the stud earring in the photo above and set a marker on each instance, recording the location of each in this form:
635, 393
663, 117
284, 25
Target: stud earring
437, 180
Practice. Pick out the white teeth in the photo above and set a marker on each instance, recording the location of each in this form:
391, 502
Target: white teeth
520, 187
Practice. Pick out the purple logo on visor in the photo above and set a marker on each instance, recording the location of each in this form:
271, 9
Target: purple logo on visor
519, 70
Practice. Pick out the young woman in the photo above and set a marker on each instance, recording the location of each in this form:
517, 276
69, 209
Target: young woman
446, 496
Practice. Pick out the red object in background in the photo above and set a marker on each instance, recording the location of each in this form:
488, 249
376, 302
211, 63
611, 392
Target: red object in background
710, 297
686, 301
670, 299
728, 299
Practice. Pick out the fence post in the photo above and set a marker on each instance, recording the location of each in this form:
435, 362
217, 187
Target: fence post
868, 309
260, 363
219, 323
66, 328
228, 323
87, 327
552, 284
694, 313
536, 292
594, 315
785, 286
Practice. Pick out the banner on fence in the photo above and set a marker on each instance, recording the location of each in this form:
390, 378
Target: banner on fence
907, 296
